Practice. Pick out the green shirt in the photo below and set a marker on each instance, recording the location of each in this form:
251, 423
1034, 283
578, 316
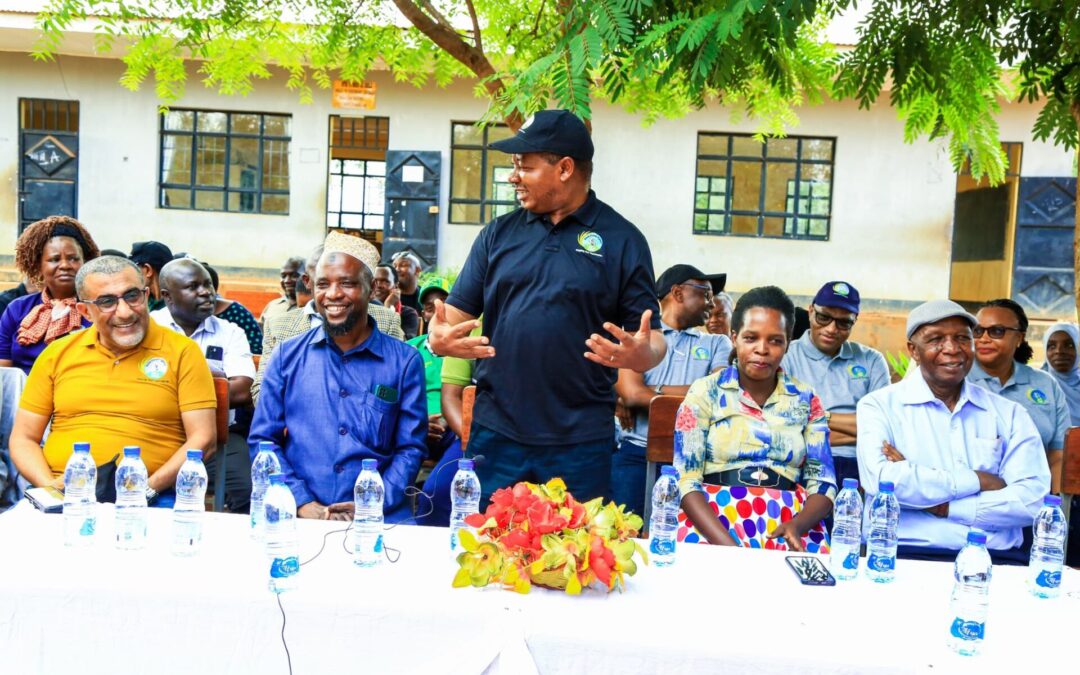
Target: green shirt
432, 374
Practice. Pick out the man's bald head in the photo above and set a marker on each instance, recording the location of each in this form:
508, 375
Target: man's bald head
188, 292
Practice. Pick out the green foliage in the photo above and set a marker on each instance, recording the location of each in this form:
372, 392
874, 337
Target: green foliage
899, 363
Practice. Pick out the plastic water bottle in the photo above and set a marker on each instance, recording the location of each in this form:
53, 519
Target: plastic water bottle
884, 529
1047, 549
264, 464
971, 595
131, 500
190, 505
368, 516
664, 521
464, 500
847, 531
282, 547
80, 497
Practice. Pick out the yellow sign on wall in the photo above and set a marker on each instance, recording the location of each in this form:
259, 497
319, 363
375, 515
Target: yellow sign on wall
354, 95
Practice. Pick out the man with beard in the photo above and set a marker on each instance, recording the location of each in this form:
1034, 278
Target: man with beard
686, 301
958, 456
346, 393
189, 297
123, 381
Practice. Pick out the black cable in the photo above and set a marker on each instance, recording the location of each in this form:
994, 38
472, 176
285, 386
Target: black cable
324, 543
283, 643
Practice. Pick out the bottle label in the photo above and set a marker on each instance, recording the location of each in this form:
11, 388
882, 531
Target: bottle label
879, 563
378, 544
87, 528
851, 561
967, 630
662, 546
1048, 579
284, 567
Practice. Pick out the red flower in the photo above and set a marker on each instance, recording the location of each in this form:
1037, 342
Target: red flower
601, 560
545, 519
577, 516
520, 539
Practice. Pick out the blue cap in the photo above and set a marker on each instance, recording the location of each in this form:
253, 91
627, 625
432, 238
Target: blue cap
266, 446
465, 464
976, 537
557, 131
1052, 500
886, 487
277, 479
194, 454
132, 451
82, 447
369, 465
668, 471
839, 294
851, 483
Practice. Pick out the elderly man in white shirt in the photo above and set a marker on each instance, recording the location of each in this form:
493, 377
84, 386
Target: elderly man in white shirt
959, 456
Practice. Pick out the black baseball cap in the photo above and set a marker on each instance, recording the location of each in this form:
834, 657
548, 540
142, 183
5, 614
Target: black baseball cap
557, 131
152, 253
680, 274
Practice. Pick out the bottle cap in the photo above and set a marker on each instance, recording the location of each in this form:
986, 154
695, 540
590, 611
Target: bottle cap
82, 447
851, 483
277, 479
976, 537
369, 465
266, 446
886, 487
668, 471
465, 464
1052, 500
132, 451
195, 454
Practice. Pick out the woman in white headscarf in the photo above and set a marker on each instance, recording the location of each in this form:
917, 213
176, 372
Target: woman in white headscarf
1061, 342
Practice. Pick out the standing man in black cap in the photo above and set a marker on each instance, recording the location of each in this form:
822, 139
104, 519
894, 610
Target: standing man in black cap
686, 301
552, 279
151, 256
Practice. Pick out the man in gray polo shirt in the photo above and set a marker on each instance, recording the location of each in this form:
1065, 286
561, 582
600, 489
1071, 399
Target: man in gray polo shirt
686, 300
840, 370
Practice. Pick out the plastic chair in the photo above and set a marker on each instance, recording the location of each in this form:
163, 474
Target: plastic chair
660, 443
1070, 474
221, 390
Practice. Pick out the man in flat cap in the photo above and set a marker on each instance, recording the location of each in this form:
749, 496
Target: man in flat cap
151, 256
958, 455
565, 285
345, 393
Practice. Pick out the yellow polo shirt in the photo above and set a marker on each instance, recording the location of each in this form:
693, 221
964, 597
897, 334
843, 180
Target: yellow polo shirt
111, 402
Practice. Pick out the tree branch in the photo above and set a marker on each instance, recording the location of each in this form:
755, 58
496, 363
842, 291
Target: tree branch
475, 25
438, 16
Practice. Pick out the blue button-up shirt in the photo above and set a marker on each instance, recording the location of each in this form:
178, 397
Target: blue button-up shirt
1038, 393
341, 408
942, 451
840, 381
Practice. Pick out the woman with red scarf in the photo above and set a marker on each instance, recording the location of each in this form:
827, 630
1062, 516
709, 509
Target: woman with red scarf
50, 252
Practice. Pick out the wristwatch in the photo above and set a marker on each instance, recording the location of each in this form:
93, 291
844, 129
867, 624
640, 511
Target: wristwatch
658, 388
151, 494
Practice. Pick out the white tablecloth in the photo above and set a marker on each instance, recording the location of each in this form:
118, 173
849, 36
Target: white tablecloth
100, 610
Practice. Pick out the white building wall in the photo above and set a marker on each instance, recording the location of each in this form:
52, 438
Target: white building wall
891, 213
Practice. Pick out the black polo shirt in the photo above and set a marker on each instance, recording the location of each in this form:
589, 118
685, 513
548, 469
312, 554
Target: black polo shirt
543, 289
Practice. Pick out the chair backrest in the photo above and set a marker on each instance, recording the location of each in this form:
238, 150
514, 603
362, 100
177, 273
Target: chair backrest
1070, 463
12, 382
660, 445
221, 390
468, 398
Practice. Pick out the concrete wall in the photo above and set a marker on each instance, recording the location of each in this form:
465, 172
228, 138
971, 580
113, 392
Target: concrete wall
891, 213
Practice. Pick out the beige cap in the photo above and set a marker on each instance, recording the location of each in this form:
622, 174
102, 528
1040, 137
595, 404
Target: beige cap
361, 249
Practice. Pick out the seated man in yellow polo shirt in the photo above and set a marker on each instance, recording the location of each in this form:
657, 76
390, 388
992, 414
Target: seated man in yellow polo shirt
123, 381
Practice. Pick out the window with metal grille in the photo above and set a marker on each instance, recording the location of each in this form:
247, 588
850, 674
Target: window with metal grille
778, 188
479, 189
225, 161
356, 187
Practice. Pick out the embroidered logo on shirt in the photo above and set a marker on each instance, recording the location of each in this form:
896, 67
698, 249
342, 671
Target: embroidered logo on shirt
841, 289
1036, 396
701, 354
857, 372
154, 367
590, 241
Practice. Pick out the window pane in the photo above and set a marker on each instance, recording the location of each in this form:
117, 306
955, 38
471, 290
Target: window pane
774, 227
465, 174
499, 170
819, 227
176, 199
746, 186
374, 195
333, 220
352, 194
275, 165
782, 147
376, 168
352, 221
206, 200
244, 164
744, 225
701, 221
277, 125
779, 177
701, 200
213, 122
333, 194
353, 167
746, 146
210, 161
709, 144
374, 222
467, 134
712, 167
502, 209
275, 204
176, 159
335, 166
821, 173
180, 120
817, 148
497, 132
716, 222
464, 213
245, 124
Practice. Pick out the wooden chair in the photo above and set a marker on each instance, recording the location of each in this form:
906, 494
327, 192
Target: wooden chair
221, 390
1070, 474
660, 445
468, 398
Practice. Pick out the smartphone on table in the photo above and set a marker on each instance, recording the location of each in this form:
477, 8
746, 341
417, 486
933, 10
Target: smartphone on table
810, 570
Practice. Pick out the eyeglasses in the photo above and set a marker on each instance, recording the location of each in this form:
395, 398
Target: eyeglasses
996, 331
133, 298
824, 319
706, 290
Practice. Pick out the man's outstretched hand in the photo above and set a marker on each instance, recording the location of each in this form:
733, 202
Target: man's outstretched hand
633, 350
447, 340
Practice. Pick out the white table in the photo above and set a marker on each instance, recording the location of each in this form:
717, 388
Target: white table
102, 610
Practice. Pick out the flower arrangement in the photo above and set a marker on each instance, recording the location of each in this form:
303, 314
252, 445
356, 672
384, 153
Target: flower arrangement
539, 535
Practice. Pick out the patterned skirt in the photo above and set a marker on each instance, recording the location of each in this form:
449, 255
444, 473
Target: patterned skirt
749, 513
